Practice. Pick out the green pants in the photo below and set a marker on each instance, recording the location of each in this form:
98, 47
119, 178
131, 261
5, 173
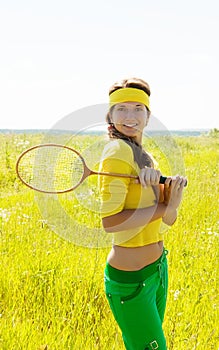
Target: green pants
138, 300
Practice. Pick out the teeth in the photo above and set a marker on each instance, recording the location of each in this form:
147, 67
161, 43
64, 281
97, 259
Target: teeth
130, 125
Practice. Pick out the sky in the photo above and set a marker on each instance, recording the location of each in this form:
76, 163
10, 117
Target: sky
58, 57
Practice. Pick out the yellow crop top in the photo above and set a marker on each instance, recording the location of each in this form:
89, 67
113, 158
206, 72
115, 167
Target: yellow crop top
118, 194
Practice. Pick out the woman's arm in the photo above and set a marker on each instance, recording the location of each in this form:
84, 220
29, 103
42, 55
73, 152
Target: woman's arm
132, 218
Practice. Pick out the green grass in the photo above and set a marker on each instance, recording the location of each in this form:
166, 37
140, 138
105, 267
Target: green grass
51, 290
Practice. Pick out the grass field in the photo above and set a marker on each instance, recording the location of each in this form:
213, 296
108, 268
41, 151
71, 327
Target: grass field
51, 290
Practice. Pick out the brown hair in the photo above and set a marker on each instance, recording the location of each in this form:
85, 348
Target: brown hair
141, 157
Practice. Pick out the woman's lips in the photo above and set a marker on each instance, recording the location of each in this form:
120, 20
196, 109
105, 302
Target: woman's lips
130, 125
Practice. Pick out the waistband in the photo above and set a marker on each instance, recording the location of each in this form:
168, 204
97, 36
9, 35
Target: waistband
135, 276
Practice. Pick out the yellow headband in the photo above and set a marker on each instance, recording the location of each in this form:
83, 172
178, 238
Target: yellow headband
129, 95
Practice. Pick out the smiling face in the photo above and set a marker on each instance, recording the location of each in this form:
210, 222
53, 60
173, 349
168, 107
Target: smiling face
130, 118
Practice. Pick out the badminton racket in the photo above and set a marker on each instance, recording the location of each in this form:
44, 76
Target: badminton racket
54, 168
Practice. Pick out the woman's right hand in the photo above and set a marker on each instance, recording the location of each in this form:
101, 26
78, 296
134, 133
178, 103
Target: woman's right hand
149, 177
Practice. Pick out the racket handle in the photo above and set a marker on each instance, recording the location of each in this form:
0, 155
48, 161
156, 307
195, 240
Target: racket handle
163, 179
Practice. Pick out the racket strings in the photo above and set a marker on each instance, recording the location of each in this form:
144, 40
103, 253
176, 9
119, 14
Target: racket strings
51, 169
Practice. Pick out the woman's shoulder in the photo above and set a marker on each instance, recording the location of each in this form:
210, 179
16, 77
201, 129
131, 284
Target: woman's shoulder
117, 147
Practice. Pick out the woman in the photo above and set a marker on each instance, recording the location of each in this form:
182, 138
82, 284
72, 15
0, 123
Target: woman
136, 269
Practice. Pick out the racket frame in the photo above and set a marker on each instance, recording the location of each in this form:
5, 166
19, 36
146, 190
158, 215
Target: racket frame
87, 171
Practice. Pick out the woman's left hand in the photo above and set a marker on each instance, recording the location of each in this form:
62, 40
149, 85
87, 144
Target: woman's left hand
173, 190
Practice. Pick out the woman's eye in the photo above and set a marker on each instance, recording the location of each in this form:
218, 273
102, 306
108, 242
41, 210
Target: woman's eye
125, 109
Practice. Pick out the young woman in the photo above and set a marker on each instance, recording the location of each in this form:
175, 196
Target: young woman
136, 268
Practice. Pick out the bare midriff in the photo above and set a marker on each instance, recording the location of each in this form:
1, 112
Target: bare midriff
135, 258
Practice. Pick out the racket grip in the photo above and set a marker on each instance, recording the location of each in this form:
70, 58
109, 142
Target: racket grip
163, 179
